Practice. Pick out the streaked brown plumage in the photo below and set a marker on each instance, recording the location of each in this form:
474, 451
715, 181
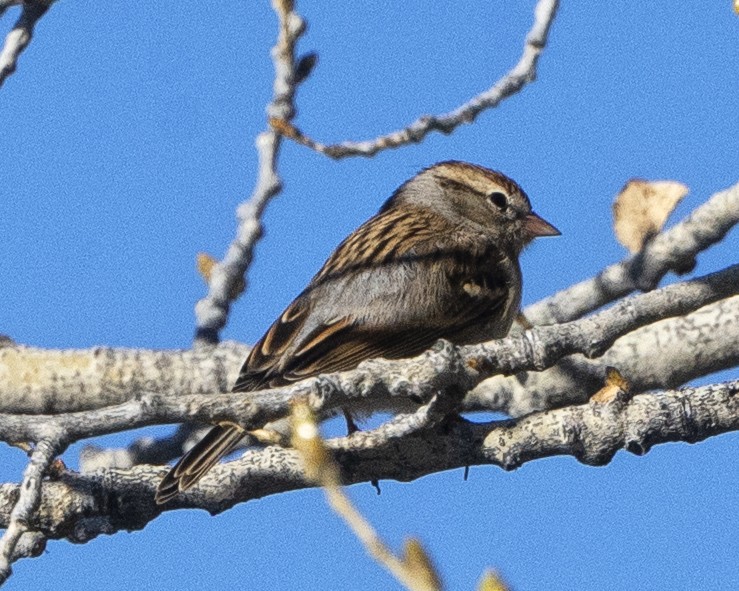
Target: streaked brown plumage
439, 260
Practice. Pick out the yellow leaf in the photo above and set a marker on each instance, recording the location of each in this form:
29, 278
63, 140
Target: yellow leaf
642, 208
419, 565
317, 461
491, 582
205, 264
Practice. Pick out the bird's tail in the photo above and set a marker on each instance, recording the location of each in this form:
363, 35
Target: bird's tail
218, 442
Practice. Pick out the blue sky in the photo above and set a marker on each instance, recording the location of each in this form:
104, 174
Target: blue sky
127, 139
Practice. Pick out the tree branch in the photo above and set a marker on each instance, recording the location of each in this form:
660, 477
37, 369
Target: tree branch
212, 311
39, 381
661, 355
713, 330
77, 507
523, 73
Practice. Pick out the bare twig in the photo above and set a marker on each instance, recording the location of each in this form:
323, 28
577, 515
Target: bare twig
28, 500
672, 250
522, 73
212, 311
5, 4
20, 35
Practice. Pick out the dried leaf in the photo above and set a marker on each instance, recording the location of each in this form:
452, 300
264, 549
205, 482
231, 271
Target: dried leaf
642, 208
22, 445
419, 565
491, 582
615, 385
269, 437
205, 264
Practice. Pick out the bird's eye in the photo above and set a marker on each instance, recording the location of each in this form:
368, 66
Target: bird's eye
500, 200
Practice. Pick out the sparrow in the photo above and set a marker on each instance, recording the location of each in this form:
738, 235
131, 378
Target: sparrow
438, 261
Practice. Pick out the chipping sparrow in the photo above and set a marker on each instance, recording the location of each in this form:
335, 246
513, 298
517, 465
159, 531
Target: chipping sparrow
439, 260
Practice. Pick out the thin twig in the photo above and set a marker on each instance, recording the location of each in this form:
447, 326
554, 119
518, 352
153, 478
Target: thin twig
212, 311
519, 76
368, 535
5, 4
145, 450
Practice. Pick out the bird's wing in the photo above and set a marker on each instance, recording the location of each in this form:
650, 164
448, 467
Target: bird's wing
301, 344
330, 349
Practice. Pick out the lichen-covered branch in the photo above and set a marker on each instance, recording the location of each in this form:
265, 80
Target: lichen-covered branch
20, 35
672, 250
443, 368
212, 311
76, 507
519, 76
43, 381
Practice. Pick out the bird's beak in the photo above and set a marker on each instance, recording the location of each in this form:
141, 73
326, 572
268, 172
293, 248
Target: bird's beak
535, 226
